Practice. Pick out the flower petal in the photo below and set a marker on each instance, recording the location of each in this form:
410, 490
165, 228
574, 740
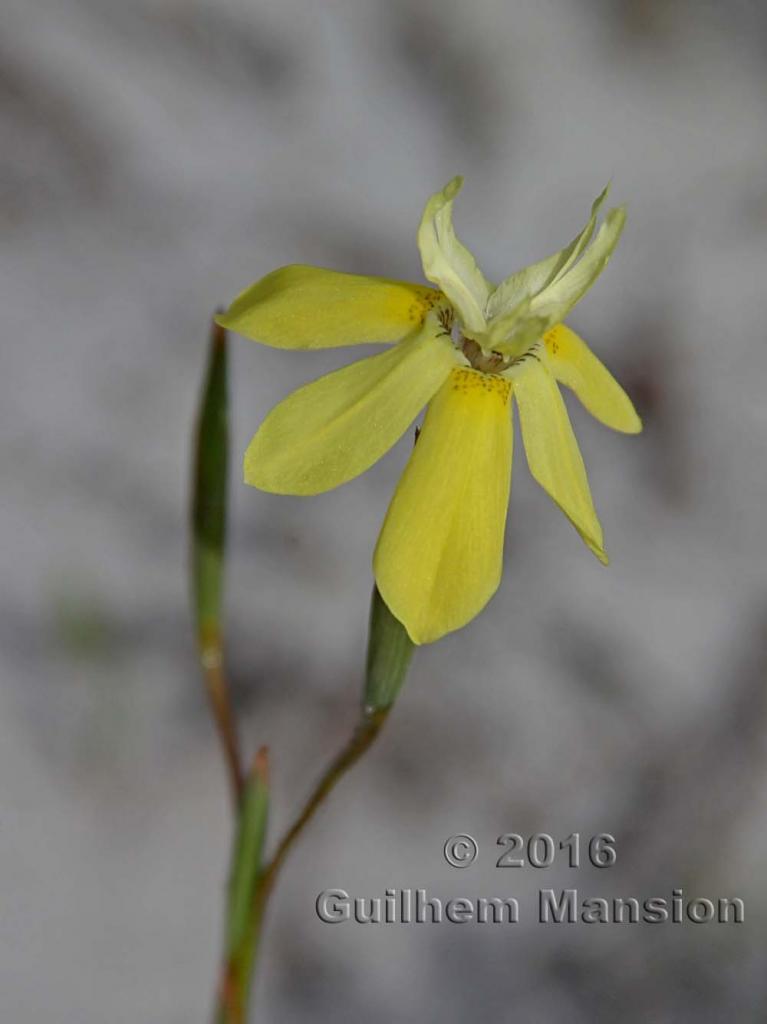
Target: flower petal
335, 428
557, 299
574, 364
439, 557
531, 280
307, 307
448, 263
552, 451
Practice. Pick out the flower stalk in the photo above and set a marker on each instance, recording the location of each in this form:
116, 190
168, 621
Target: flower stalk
390, 650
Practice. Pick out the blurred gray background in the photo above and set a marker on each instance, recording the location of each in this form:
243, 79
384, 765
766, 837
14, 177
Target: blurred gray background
159, 155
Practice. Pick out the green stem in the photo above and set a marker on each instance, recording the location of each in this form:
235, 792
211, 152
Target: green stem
236, 973
217, 688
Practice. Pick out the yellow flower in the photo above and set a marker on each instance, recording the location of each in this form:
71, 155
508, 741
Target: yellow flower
464, 349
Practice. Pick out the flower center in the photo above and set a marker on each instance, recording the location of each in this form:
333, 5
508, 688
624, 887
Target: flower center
493, 362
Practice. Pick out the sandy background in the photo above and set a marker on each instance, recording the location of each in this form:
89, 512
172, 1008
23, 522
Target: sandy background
158, 155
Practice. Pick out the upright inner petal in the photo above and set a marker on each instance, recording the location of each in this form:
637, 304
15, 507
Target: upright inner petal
448, 263
556, 300
439, 556
532, 279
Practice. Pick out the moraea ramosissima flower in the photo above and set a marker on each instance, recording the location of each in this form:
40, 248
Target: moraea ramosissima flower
465, 349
